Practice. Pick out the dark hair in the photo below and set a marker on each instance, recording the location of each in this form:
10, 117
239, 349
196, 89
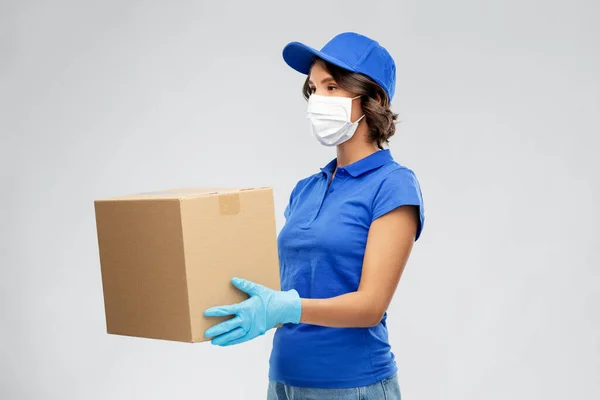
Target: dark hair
374, 101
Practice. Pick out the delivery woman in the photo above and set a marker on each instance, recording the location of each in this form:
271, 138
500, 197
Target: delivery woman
349, 230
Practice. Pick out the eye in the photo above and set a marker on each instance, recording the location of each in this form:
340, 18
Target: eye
331, 88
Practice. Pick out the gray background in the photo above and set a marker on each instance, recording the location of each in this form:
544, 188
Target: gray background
499, 103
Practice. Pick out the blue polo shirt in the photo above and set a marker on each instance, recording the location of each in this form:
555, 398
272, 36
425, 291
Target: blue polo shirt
321, 249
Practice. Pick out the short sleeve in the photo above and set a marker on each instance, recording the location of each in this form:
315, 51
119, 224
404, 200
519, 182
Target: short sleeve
292, 200
288, 207
399, 188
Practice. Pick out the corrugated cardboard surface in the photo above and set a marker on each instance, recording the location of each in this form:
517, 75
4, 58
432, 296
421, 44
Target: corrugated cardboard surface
167, 256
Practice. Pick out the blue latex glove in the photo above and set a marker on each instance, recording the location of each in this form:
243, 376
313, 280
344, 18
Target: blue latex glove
265, 309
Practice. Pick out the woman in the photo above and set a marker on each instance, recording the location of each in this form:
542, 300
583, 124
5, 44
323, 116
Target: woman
348, 234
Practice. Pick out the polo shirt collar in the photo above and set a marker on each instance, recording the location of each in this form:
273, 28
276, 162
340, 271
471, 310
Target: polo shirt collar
369, 163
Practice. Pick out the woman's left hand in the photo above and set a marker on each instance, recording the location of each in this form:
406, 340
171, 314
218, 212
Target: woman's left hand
265, 309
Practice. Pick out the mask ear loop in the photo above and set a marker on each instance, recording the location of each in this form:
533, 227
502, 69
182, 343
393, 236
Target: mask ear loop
358, 120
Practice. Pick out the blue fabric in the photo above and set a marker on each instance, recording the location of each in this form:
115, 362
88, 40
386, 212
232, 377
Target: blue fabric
386, 389
351, 51
321, 250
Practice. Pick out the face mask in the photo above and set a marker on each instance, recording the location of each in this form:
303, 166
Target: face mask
330, 119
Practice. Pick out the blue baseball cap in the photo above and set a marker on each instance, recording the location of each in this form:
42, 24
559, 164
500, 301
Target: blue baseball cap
351, 51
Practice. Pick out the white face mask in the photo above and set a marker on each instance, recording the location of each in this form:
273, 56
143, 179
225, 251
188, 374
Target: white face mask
330, 119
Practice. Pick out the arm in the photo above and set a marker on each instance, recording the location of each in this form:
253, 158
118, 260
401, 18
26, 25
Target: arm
389, 244
397, 223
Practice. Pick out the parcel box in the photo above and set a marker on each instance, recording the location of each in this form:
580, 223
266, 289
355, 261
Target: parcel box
167, 256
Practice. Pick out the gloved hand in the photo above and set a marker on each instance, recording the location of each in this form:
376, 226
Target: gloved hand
265, 309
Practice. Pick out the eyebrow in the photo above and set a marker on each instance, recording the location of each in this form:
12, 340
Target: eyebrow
328, 79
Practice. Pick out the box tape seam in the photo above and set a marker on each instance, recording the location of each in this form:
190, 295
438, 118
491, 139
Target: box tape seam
229, 204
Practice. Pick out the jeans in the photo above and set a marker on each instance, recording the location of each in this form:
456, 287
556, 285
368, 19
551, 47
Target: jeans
386, 389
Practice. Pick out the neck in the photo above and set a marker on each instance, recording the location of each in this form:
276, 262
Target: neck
356, 148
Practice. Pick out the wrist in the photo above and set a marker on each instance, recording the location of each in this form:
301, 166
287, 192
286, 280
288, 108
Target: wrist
296, 306
292, 309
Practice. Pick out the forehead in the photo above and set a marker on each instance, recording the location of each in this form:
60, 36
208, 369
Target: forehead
318, 72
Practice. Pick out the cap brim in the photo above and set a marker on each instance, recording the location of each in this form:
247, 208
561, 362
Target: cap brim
300, 57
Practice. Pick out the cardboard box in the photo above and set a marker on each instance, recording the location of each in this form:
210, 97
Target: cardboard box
167, 256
